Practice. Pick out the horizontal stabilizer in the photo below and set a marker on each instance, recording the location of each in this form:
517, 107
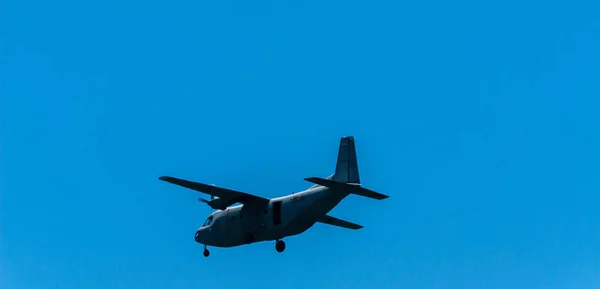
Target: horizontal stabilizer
339, 223
349, 188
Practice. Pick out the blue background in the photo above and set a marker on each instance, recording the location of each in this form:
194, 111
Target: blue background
479, 119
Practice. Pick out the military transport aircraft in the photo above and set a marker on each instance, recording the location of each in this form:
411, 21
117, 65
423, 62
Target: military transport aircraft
260, 219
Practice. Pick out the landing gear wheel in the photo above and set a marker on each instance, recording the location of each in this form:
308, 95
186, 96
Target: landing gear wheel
206, 253
280, 246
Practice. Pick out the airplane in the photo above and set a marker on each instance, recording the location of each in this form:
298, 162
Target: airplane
260, 219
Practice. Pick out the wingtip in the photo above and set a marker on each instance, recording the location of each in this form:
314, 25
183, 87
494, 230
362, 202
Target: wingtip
164, 178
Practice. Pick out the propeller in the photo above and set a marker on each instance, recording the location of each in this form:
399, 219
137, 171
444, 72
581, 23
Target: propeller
207, 201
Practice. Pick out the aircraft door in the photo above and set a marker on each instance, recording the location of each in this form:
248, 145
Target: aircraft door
276, 213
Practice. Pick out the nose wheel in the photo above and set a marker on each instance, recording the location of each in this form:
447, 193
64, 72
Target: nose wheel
280, 246
206, 252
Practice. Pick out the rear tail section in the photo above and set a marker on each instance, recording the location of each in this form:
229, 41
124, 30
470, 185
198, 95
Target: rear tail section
346, 168
356, 189
346, 177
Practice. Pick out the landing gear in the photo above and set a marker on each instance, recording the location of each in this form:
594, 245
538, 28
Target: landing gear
206, 252
280, 246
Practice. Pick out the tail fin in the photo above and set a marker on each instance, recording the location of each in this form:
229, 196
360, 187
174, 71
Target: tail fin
346, 177
346, 169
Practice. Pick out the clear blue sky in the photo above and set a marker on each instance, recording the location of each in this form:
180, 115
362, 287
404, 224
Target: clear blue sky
479, 119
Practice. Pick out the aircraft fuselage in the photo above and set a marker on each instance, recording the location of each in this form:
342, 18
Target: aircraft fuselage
281, 217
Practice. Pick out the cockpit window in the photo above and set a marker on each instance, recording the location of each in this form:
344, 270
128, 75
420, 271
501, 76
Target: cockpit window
208, 221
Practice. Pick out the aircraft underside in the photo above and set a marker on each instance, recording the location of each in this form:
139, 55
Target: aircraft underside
295, 228
323, 200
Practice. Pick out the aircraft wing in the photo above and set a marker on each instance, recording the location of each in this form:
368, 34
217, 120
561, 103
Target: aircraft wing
339, 222
226, 197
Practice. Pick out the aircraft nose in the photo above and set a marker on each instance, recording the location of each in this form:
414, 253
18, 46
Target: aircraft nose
201, 236
198, 236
